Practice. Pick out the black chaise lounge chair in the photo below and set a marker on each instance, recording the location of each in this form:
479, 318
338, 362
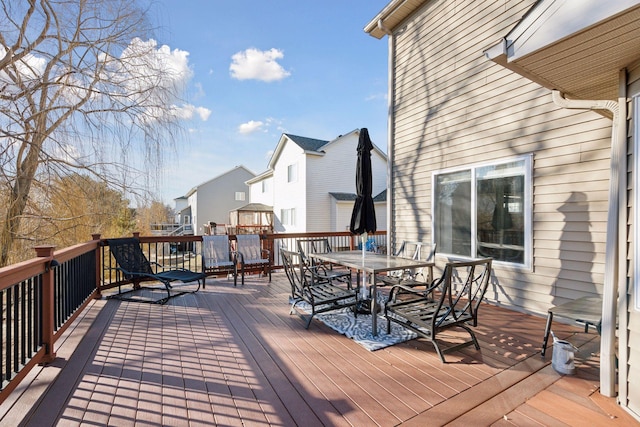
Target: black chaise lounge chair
135, 267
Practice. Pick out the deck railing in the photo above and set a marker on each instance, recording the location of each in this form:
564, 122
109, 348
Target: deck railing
41, 297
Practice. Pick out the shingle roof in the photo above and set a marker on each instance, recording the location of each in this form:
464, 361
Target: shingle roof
347, 197
381, 197
344, 196
307, 144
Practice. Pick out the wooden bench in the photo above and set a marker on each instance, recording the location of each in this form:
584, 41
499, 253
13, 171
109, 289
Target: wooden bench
452, 301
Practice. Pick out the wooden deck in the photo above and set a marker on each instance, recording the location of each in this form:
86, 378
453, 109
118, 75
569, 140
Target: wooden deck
234, 356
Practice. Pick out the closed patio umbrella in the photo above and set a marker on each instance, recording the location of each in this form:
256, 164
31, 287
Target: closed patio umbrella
363, 217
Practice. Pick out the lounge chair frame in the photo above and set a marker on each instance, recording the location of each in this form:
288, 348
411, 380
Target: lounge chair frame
136, 268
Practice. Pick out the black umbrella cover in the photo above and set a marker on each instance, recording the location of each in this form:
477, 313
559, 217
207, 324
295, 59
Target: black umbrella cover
363, 217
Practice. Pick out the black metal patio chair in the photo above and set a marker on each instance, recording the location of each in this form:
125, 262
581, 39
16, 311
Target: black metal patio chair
452, 301
307, 247
136, 268
415, 251
307, 286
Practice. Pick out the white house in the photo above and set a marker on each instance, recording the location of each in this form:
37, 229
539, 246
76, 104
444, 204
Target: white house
212, 200
311, 183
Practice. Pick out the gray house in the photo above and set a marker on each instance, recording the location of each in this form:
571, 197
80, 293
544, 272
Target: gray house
212, 200
513, 129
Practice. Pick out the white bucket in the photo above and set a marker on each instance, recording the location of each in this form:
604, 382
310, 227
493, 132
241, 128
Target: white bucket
563, 357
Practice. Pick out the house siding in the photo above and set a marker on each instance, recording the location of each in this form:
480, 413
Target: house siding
630, 393
454, 108
256, 195
288, 195
335, 171
214, 199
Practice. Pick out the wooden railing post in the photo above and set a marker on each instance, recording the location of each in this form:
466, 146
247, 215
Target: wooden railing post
48, 325
95, 237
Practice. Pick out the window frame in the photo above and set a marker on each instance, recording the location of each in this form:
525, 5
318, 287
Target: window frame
527, 206
292, 173
288, 216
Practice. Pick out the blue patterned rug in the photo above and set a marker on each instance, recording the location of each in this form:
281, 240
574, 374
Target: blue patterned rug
359, 329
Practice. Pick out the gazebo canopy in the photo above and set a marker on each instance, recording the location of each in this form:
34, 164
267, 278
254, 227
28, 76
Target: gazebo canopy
251, 218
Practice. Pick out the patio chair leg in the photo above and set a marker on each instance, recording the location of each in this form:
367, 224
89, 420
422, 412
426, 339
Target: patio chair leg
547, 329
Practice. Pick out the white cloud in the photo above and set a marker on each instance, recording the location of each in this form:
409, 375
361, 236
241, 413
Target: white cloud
250, 127
253, 64
29, 69
156, 76
188, 111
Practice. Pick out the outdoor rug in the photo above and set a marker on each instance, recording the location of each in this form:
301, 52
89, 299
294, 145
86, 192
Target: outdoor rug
359, 329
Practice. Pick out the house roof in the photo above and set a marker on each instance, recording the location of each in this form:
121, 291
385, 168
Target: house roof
574, 46
254, 207
391, 16
264, 175
310, 146
343, 197
381, 197
350, 197
194, 189
307, 144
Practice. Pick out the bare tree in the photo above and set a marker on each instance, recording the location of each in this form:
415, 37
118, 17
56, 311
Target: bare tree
153, 212
81, 88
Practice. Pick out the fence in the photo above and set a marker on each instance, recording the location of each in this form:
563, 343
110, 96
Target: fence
41, 297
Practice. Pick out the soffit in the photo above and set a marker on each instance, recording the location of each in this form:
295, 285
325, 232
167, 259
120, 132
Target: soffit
392, 15
585, 64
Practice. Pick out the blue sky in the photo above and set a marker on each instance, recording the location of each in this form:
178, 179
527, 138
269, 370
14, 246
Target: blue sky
263, 68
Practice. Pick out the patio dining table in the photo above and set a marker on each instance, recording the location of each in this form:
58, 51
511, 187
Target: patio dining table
372, 263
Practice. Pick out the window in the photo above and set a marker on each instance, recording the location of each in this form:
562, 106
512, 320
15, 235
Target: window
485, 211
240, 196
265, 186
288, 216
292, 173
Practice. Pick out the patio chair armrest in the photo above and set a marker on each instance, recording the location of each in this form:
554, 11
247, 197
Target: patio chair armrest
405, 289
130, 273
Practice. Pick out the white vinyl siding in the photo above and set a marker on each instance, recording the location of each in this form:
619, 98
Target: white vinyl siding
335, 171
288, 194
453, 108
630, 320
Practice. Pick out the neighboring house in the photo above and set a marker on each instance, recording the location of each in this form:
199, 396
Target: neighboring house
484, 161
212, 200
261, 188
306, 174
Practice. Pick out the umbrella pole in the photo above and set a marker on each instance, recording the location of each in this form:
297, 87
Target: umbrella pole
363, 292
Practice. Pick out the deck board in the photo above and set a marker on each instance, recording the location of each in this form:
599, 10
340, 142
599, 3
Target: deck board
234, 356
